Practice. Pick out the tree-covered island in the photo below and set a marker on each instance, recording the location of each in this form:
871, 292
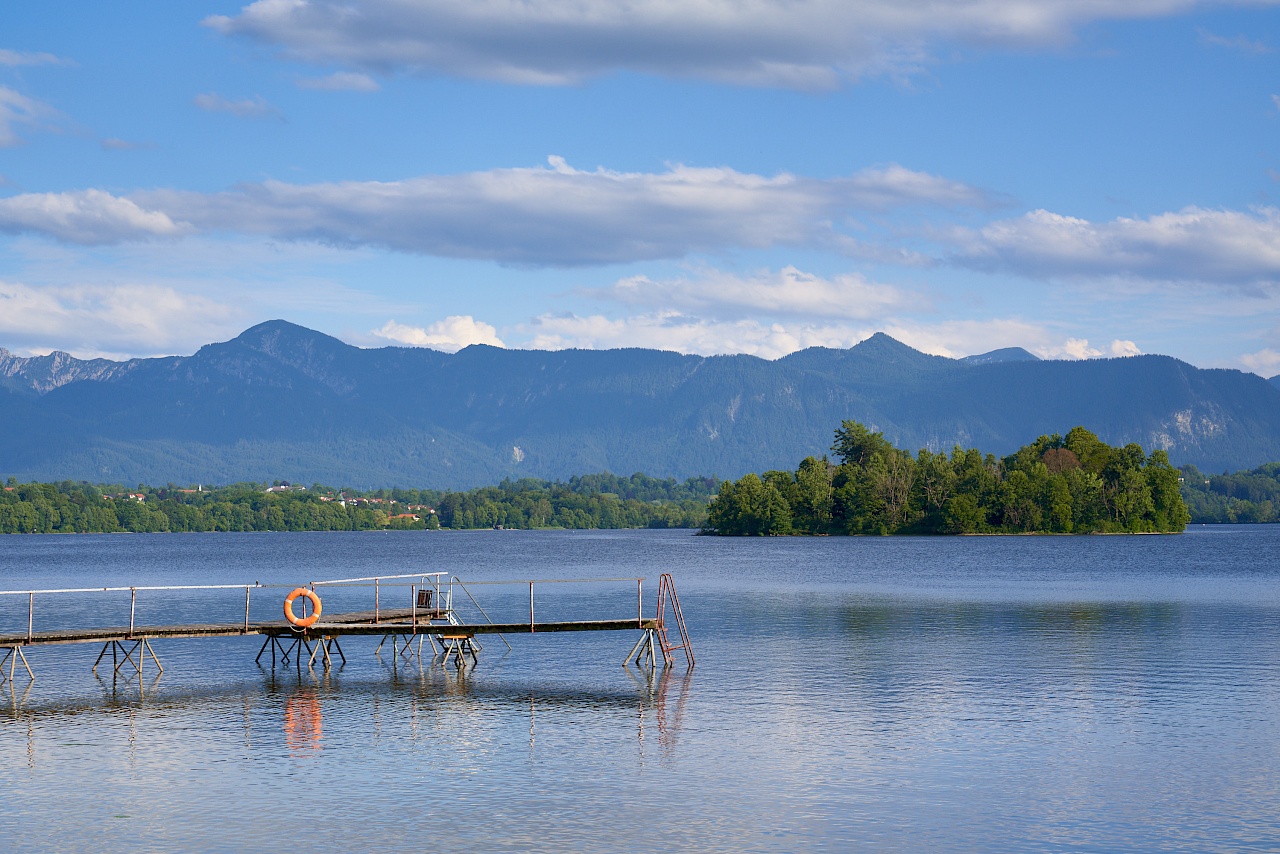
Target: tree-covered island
1072, 484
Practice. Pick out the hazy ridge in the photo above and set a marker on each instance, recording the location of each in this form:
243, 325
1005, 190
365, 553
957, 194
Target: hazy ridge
282, 401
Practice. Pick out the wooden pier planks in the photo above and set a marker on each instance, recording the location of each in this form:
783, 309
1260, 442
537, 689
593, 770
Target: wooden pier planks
397, 621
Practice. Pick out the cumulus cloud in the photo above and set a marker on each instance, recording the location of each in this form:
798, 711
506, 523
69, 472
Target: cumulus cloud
545, 216
672, 330
85, 217
1191, 245
959, 338
341, 81
687, 333
246, 108
17, 109
451, 334
110, 319
1079, 348
1264, 363
788, 291
804, 44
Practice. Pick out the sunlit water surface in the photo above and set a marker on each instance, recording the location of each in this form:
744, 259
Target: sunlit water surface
1049, 693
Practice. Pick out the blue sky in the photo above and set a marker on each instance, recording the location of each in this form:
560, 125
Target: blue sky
1080, 179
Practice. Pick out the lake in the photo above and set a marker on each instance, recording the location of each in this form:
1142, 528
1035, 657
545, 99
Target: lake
998, 693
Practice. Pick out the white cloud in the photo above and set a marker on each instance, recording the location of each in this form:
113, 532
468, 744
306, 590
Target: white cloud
451, 334
1264, 363
803, 44
110, 319
1079, 348
672, 330
1191, 245
85, 217
544, 216
246, 108
788, 291
562, 216
341, 81
1120, 348
17, 109
956, 339
685, 333
12, 58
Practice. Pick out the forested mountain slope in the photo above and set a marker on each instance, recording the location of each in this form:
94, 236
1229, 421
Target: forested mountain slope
281, 401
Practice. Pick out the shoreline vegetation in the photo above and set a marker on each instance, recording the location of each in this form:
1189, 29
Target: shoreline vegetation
590, 501
1056, 485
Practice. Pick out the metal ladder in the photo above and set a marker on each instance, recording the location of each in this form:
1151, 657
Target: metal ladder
667, 591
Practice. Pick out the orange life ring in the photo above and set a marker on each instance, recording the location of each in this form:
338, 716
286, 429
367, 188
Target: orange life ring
304, 622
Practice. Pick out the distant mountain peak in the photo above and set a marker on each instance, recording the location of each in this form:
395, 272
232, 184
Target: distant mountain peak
883, 341
274, 333
1004, 354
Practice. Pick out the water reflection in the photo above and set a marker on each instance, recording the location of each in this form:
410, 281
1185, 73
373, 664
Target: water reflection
303, 723
125, 690
655, 686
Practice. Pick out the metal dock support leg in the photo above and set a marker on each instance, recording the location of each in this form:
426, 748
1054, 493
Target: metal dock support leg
11, 658
121, 655
324, 644
635, 650
147, 650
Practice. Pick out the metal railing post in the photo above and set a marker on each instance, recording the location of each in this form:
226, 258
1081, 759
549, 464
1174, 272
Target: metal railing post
246, 609
31, 608
376, 603
133, 604
640, 602
530, 607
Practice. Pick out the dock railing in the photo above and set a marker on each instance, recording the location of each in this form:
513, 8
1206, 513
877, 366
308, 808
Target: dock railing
427, 612
133, 597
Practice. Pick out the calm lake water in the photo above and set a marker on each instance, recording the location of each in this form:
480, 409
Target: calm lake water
1021, 693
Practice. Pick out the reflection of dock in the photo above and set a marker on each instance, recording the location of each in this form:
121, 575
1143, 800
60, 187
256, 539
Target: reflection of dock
431, 618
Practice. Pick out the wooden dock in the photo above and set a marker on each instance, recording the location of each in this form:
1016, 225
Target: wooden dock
398, 622
437, 623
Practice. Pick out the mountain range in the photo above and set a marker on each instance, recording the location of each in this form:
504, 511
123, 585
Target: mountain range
284, 402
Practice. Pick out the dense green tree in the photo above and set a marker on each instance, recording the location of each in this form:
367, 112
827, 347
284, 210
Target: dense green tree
1072, 484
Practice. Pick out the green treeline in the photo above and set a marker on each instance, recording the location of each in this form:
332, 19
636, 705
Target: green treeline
1246, 496
1071, 484
591, 501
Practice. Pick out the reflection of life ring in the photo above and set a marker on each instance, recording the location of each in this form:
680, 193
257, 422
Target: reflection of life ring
304, 622
302, 723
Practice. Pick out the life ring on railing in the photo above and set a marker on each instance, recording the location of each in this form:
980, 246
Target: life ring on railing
302, 622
